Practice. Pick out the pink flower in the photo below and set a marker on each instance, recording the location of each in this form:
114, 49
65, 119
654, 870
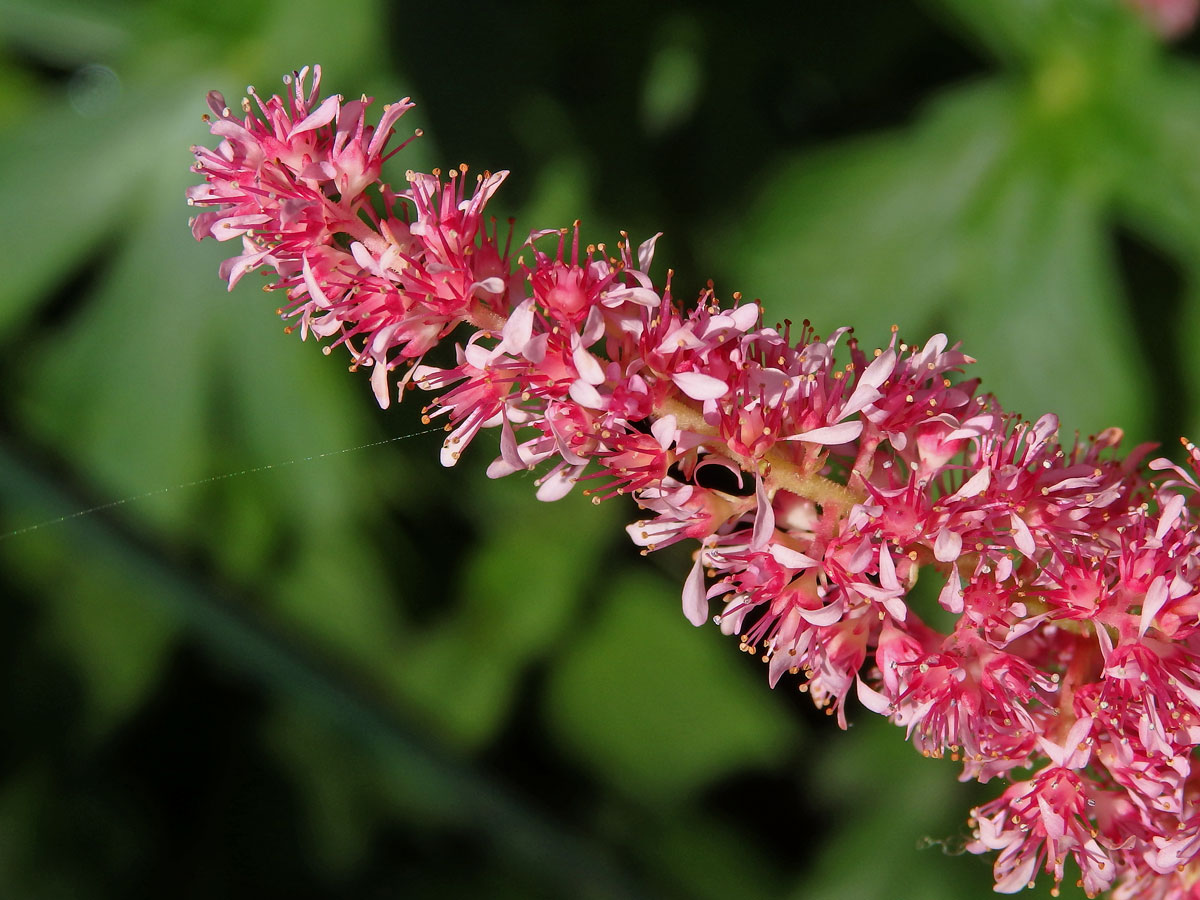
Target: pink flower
292, 185
1045, 820
820, 483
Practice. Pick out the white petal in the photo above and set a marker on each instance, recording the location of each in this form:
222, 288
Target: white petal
640, 296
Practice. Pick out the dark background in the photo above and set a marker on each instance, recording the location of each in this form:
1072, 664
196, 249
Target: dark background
356, 674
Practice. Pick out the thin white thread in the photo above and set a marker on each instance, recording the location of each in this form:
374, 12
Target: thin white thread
112, 504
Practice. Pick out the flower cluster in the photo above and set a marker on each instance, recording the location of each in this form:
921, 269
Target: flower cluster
821, 481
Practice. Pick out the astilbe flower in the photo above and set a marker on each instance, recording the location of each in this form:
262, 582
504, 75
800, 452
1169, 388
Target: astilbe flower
1069, 574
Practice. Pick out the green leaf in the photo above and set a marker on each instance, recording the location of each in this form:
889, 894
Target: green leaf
674, 77
517, 598
344, 804
653, 705
69, 33
1020, 30
906, 809
74, 184
1189, 419
98, 616
972, 223
1159, 188
1041, 307
867, 233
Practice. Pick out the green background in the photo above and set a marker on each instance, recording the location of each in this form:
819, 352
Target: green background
361, 675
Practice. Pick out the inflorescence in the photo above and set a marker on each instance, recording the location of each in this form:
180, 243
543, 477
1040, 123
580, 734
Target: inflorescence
1068, 576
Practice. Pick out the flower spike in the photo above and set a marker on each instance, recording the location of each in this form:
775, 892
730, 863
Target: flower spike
818, 480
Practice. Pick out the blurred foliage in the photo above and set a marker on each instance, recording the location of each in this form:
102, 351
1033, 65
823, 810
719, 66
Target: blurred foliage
356, 674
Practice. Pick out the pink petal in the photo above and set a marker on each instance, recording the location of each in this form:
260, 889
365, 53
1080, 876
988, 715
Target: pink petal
587, 366
699, 386
866, 391
508, 448
645, 252
951, 596
830, 435
558, 483
1022, 536
1169, 516
322, 115
1156, 597
764, 518
887, 569
518, 329
695, 600
948, 546
664, 430
379, 384
872, 699
975, 485
793, 559
744, 317
391, 113
586, 395
826, 615
314, 289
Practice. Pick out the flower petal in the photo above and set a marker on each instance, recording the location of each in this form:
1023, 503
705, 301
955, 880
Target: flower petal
699, 386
